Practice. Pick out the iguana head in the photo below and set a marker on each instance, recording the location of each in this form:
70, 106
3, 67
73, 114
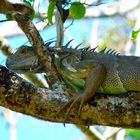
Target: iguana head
24, 60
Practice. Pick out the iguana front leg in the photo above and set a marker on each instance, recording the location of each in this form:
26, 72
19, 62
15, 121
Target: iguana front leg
95, 78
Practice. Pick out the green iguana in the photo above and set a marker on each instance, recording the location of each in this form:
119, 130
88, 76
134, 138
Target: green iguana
84, 70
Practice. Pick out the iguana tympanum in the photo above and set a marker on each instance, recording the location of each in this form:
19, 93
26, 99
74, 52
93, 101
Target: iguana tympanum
85, 71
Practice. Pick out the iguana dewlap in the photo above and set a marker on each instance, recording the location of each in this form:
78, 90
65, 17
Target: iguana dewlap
85, 71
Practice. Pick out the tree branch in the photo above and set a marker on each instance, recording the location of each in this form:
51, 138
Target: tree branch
59, 28
121, 110
119, 8
8, 7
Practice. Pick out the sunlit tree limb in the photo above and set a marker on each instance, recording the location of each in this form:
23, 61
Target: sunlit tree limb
121, 110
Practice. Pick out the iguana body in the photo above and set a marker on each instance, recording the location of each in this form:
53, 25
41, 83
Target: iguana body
86, 71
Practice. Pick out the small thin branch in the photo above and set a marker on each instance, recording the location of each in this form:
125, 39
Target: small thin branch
97, 4
5, 48
90, 134
59, 28
108, 10
97, 133
4, 20
69, 25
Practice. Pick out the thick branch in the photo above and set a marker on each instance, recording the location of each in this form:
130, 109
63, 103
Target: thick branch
122, 110
7, 7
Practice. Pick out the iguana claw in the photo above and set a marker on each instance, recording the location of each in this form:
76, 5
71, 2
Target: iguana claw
81, 98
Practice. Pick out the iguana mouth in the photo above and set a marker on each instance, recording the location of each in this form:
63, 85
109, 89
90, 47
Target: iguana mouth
29, 69
25, 65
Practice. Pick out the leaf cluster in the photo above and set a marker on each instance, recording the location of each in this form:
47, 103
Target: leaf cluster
76, 10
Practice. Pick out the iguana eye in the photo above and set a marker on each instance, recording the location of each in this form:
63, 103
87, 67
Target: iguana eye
23, 50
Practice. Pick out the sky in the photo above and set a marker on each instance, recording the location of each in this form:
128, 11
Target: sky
29, 128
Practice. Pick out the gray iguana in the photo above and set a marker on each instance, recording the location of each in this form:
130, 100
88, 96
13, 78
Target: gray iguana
84, 70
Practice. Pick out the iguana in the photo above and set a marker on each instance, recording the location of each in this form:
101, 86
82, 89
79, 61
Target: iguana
84, 70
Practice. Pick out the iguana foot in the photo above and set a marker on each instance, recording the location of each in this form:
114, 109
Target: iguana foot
80, 98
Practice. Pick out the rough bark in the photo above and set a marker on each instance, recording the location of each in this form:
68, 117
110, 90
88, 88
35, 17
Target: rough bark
9, 7
121, 110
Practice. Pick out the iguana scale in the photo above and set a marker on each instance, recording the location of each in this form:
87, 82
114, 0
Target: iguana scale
86, 71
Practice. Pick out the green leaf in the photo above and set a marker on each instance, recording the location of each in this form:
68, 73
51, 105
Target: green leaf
30, 3
9, 17
32, 16
135, 35
77, 10
135, 134
51, 8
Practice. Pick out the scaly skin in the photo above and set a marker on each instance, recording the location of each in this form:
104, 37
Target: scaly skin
85, 71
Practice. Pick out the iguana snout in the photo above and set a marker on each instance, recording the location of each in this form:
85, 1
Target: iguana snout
24, 60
